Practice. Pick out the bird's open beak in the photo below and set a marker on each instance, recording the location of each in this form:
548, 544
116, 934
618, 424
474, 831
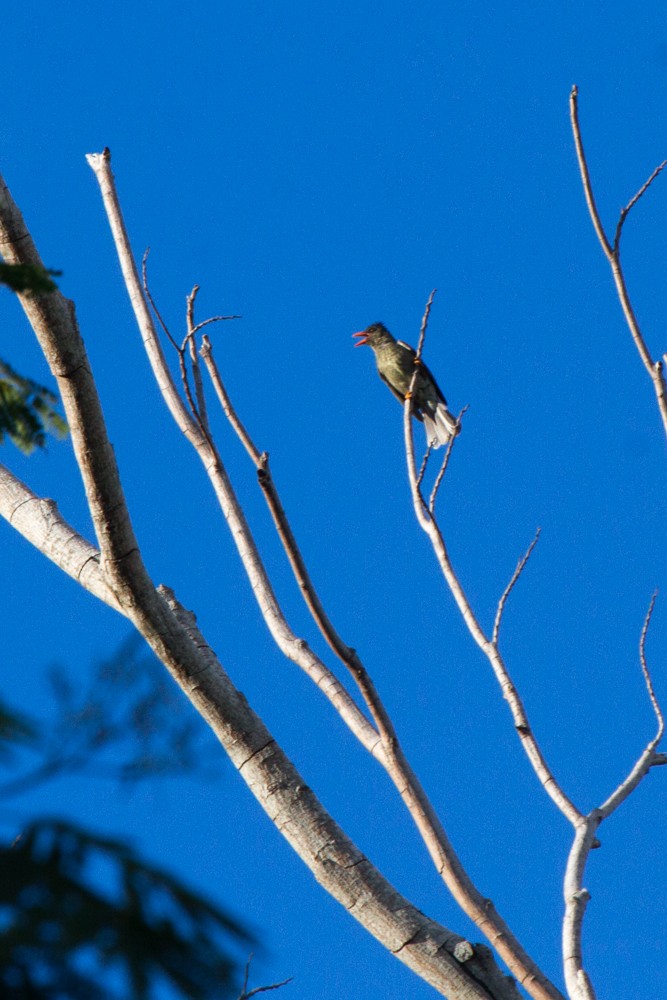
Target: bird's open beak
363, 338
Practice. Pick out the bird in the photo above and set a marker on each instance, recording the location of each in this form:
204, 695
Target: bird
395, 362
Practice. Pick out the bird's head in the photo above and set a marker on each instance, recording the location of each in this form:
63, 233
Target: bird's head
372, 335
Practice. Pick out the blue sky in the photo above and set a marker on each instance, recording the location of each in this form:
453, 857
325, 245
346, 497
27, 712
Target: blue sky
316, 169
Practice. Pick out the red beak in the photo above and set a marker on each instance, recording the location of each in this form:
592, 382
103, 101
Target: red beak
363, 338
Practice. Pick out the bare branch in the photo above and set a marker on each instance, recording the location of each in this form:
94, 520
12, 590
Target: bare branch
264, 989
293, 647
245, 994
41, 523
427, 521
445, 463
409, 946
612, 253
585, 176
194, 359
392, 757
633, 201
510, 586
172, 634
193, 328
206, 352
424, 325
576, 896
147, 292
196, 329
647, 759
647, 676
578, 984
422, 468
409, 441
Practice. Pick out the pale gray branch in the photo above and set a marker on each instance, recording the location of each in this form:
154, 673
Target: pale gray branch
429, 524
576, 896
512, 952
41, 523
394, 761
578, 984
647, 759
172, 634
612, 253
291, 646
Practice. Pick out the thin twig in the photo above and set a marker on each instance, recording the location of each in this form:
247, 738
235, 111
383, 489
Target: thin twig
180, 349
215, 319
264, 989
144, 278
206, 352
445, 463
633, 201
647, 675
422, 468
194, 360
246, 994
422, 329
510, 587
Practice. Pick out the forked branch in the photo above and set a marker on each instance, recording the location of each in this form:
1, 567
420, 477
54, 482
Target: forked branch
576, 895
119, 576
429, 826
427, 520
612, 252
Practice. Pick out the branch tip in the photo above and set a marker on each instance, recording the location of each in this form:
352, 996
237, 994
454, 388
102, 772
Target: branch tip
511, 585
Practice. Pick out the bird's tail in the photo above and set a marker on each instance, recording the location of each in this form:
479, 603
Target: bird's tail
441, 426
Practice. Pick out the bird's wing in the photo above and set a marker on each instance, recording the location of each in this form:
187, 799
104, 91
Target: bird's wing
407, 347
399, 396
429, 375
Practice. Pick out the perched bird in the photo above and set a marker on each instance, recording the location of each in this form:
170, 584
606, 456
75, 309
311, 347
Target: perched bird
396, 365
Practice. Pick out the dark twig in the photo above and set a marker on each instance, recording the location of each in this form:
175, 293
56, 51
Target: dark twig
201, 413
245, 993
630, 205
147, 291
179, 348
445, 463
511, 585
214, 319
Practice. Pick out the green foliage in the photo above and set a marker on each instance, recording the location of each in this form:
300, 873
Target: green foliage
60, 934
28, 278
14, 728
83, 916
27, 411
